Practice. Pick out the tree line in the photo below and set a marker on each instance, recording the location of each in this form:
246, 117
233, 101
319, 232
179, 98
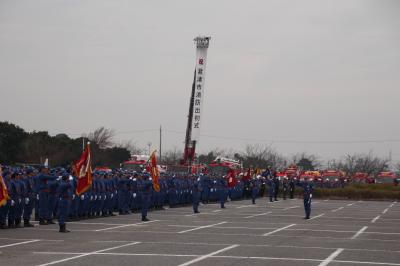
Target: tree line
20, 147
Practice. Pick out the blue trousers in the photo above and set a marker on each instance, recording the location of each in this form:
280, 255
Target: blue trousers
63, 210
44, 206
145, 204
307, 207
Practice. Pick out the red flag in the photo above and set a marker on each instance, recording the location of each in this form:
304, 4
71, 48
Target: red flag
231, 178
83, 171
3, 191
248, 175
154, 171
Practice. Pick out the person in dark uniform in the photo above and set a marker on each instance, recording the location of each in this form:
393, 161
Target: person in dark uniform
277, 183
291, 187
44, 211
307, 196
30, 196
146, 189
285, 187
65, 192
196, 195
271, 189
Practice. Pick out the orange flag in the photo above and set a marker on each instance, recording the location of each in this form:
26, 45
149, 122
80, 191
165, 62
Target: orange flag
3, 191
155, 174
83, 171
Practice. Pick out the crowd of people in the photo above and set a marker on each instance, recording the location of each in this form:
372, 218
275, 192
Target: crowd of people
48, 194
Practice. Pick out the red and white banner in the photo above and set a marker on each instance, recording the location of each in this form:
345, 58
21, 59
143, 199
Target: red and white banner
83, 171
155, 174
3, 190
201, 61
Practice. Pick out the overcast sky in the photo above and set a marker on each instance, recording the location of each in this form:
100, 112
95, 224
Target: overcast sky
278, 71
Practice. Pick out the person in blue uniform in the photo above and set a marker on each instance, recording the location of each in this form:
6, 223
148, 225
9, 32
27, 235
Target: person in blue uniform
16, 194
196, 195
44, 211
146, 189
277, 184
291, 187
222, 191
285, 187
254, 186
5, 208
29, 197
271, 189
64, 190
307, 196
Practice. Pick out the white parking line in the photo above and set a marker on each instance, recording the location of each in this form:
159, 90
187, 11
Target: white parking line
291, 208
315, 217
88, 254
338, 209
20, 243
375, 219
351, 204
217, 211
255, 215
208, 255
200, 227
125, 225
385, 211
331, 257
277, 230
244, 206
359, 232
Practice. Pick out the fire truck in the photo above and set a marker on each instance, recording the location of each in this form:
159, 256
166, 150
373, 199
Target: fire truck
137, 163
333, 178
387, 178
223, 166
360, 177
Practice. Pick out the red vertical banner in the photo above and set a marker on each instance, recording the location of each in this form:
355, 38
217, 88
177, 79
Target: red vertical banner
83, 171
155, 174
3, 190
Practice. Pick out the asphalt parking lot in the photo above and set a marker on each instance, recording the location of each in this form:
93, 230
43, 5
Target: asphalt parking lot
339, 233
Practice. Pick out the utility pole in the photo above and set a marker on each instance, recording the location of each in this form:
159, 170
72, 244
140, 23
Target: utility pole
160, 144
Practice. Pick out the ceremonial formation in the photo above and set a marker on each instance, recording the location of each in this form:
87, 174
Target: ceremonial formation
47, 194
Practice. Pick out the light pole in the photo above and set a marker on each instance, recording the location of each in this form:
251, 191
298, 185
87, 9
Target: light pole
149, 144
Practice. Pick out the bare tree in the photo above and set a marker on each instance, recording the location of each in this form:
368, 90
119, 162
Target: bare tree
367, 163
306, 161
130, 146
103, 137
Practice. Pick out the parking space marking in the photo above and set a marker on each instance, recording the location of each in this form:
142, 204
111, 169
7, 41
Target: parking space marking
20, 243
351, 204
293, 207
278, 230
255, 215
385, 211
375, 219
338, 209
208, 255
88, 254
244, 206
359, 232
331, 257
125, 225
217, 211
315, 217
200, 227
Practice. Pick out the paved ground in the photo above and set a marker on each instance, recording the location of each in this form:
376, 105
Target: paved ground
340, 233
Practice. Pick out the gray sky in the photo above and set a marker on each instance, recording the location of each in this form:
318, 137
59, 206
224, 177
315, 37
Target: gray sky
277, 70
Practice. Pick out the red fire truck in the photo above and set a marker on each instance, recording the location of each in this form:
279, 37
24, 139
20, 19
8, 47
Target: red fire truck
360, 177
387, 178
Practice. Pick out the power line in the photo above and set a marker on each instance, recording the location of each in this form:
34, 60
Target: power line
294, 141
